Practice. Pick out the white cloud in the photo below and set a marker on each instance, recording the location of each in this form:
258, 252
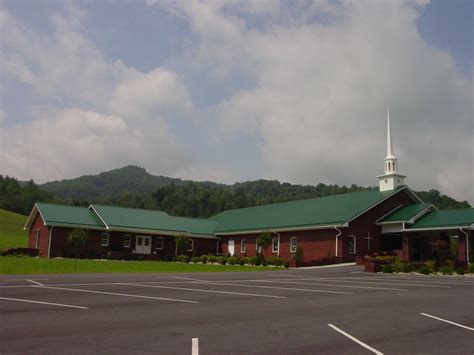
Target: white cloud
324, 85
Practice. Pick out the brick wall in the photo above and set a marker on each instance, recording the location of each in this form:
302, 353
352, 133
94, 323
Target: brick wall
38, 236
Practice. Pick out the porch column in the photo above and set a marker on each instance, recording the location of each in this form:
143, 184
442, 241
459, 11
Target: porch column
406, 247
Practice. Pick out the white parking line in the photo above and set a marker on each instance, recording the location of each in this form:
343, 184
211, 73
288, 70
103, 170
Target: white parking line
35, 282
188, 279
39, 302
373, 283
279, 288
201, 290
422, 282
195, 346
355, 340
116, 294
331, 285
447, 321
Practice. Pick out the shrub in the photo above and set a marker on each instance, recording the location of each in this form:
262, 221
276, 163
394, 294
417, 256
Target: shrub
432, 265
471, 268
426, 270
460, 270
221, 260
273, 260
212, 259
195, 259
446, 270
233, 260
254, 261
245, 261
204, 259
298, 254
182, 258
407, 267
286, 264
387, 268
397, 265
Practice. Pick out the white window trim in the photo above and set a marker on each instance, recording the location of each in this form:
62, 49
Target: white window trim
191, 245
242, 249
125, 236
291, 244
38, 233
162, 243
275, 251
355, 245
102, 235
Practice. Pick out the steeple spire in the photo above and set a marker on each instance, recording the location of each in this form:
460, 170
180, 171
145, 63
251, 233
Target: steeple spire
389, 137
391, 179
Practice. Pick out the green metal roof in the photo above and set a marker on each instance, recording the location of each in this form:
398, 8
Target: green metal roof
131, 218
329, 210
446, 218
405, 213
59, 215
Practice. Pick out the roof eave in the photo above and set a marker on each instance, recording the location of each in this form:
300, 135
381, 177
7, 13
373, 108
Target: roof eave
283, 229
427, 229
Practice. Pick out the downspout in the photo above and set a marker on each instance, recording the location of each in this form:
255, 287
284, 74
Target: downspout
467, 244
337, 239
49, 241
278, 234
217, 248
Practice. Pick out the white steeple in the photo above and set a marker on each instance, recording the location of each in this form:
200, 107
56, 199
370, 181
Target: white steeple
391, 179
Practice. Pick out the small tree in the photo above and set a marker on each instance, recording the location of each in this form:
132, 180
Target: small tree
183, 243
77, 237
264, 240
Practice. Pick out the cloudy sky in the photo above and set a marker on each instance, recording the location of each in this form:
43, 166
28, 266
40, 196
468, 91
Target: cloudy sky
238, 90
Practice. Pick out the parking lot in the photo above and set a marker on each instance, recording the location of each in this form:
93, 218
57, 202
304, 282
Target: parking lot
326, 310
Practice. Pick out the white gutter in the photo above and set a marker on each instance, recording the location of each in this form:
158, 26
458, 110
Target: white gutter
467, 245
257, 231
49, 241
337, 238
434, 228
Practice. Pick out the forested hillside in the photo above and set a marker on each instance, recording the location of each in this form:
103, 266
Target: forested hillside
133, 186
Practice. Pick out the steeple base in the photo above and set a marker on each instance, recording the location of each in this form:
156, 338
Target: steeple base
390, 182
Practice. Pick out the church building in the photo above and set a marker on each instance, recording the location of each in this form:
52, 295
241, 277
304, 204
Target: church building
345, 227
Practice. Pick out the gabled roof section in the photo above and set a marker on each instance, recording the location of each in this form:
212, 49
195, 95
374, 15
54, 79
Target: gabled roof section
455, 218
334, 210
65, 216
406, 213
132, 219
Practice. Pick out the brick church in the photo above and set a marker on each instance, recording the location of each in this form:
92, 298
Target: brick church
335, 228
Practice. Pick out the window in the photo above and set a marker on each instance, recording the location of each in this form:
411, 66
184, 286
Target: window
127, 241
104, 239
275, 245
146, 242
351, 244
38, 233
191, 245
293, 244
159, 243
139, 240
243, 246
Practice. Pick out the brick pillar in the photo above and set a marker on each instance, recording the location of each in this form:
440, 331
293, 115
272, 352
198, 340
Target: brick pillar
462, 251
406, 247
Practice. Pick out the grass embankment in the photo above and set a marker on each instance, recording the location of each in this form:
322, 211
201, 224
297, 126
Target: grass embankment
28, 265
12, 234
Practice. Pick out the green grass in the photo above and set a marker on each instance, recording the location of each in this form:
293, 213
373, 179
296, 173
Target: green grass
29, 265
12, 234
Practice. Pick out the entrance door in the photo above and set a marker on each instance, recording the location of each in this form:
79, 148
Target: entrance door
231, 247
143, 244
416, 249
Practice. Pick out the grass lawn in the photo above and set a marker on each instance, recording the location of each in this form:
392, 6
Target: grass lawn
12, 234
29, 265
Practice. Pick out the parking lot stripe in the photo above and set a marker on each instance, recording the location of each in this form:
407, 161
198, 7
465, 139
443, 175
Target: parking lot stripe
201, 290
279, 288
117, 294
40, 302
331, 285
355, 340
374, 283
414, 280
195, 346
447, 321
35, 282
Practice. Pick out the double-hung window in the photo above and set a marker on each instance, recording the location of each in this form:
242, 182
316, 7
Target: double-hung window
104, 239
127, 241
293, 244
159, 243
243, 246
191, 245
275, 245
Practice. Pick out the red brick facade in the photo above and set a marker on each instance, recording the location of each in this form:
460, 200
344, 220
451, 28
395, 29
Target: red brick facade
318, 244
38, 237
